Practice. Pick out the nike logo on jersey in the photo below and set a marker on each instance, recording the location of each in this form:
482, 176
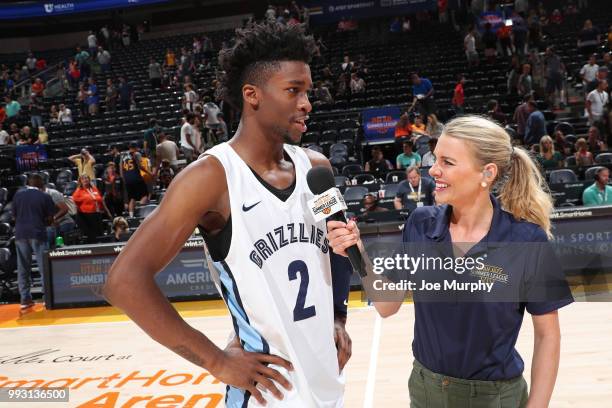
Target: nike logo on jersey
245, 208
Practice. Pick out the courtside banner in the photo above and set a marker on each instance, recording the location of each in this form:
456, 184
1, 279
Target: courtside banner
74, 276
28, 157
327, 11
18, 11
379, 124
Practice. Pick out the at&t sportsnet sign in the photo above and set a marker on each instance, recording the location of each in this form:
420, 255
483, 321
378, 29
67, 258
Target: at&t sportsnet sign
379, 124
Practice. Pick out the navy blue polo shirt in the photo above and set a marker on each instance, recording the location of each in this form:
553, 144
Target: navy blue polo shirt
32, 208
476, 340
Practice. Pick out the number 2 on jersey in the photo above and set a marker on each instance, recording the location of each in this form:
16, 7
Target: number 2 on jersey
299, 311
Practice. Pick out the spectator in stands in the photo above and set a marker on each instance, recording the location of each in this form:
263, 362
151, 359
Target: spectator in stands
504, 34
607, 57
408, 158
396, 26
370, 205
74, 74
166, 174
167, 150
521, 114
121, 229
38, 87
429, 158
270, 13
43, 136
406, 25
85, 163
92, 43
62, 221
111, 96
31, 63
5, 138
599, 193
211, 119
81, 99
93, 98
126, 94
423, 92
2, 114
82, 58
458, 100
347, 65
588, 72
150, 139
513, 74
602, 75
131, 173
556, 18
596, 103
469, 45
418, 127
155, 73
33, 211
113, 190
221, 133
594, 139
189, 98
554, 76
582, 155
25, 136
536, 125
14, 132
519, 33
358, 85
341, 86
170, 60
53, 115
495, 113
321, 93
489, 40
534, 30
126, 36
548, 157
65, 115
12, 107
104, 59
378, 165
403, 127
90, 207
588, 38
36, 111
434, 128
415, 191
525, 81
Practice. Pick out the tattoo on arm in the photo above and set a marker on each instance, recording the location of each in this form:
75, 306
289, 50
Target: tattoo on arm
188, 354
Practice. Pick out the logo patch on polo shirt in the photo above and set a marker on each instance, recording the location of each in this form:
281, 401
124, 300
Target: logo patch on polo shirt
490, 273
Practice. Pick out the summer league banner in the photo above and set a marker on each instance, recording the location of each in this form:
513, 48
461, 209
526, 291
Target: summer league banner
19, 11
28, 157
327, 11
379, 124
75, 275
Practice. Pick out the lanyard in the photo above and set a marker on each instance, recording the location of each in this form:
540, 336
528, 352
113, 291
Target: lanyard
93, 197
418, 198
605, 195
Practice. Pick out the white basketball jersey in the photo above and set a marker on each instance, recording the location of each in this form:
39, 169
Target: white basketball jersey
276, 282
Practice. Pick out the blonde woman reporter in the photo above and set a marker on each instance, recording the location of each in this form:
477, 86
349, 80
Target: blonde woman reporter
464, 352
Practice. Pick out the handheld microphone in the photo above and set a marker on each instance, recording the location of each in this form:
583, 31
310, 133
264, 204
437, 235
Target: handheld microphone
329, 203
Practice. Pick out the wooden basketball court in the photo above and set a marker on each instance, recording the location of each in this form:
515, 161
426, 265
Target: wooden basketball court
83, 348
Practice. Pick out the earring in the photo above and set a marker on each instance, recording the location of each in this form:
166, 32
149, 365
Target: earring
483, 184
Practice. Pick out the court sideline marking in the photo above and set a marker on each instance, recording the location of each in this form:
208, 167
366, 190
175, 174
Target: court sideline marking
368, 400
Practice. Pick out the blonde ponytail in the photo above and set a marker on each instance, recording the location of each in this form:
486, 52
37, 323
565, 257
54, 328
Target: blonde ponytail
522, 191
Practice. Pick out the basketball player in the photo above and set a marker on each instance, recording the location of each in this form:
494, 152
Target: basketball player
270, 260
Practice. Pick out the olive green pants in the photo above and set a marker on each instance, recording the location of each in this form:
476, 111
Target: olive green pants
430, 390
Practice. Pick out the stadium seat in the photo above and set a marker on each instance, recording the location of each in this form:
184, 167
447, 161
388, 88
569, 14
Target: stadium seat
364, 178
565, 128
355, 193
341, 181
351, 169
603, 158
562, 176
570, 161
3, 195
391, 190
589, 174
62, 178
145, 211
70, 187
395, 176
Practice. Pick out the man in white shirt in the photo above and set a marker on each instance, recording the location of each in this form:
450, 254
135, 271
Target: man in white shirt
92, 43
5, 138
104, 59
31, 62
429, 159
469, 44
167, 150
589, 70
188, 139
596, 102
65, 114
190, 97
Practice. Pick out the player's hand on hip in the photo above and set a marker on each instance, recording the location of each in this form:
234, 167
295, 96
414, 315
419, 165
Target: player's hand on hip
342, 235
344, 344
250, 371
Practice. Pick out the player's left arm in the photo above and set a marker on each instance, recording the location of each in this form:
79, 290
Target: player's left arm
341, 277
